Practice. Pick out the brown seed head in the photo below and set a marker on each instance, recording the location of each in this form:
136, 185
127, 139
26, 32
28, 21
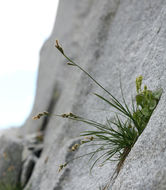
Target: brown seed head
39, 115
64, 115
36, 117
57, 44
62, 166
75, 147
72, 115
59, 47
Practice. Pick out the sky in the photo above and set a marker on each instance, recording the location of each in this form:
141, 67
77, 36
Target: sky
25, 25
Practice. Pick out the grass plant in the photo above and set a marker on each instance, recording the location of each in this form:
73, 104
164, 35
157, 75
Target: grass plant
115, 138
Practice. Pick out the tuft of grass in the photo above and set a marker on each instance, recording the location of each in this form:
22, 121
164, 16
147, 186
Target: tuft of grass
115, 138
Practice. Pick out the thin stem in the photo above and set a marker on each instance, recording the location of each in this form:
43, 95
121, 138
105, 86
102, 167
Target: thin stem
74, 64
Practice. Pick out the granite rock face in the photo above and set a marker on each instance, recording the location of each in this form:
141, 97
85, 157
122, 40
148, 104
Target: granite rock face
32, 149
10, 160
108, 38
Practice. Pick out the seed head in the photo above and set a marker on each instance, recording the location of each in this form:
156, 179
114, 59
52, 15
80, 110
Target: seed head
39, 115
62, 166
59, 47
88, 139
72, 115
75, 147
36, 117
69, 115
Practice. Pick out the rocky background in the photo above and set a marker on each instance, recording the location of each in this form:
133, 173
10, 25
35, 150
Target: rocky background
108, 38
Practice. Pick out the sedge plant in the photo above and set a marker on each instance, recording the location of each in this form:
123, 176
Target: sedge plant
115, 138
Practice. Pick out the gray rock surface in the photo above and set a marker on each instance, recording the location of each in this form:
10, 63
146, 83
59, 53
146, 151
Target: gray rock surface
27, 169
106, 37
10, 160
32, 149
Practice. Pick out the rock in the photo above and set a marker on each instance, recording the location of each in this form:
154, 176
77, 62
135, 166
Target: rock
33, 147
10, 160
111, 39
27, 169
37, 150
19, 155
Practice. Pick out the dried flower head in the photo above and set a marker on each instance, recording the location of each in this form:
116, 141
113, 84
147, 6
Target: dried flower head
39, 115
72, 115
88, 139
59, 47
62, 166
69, 115
36, 117
75, 147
